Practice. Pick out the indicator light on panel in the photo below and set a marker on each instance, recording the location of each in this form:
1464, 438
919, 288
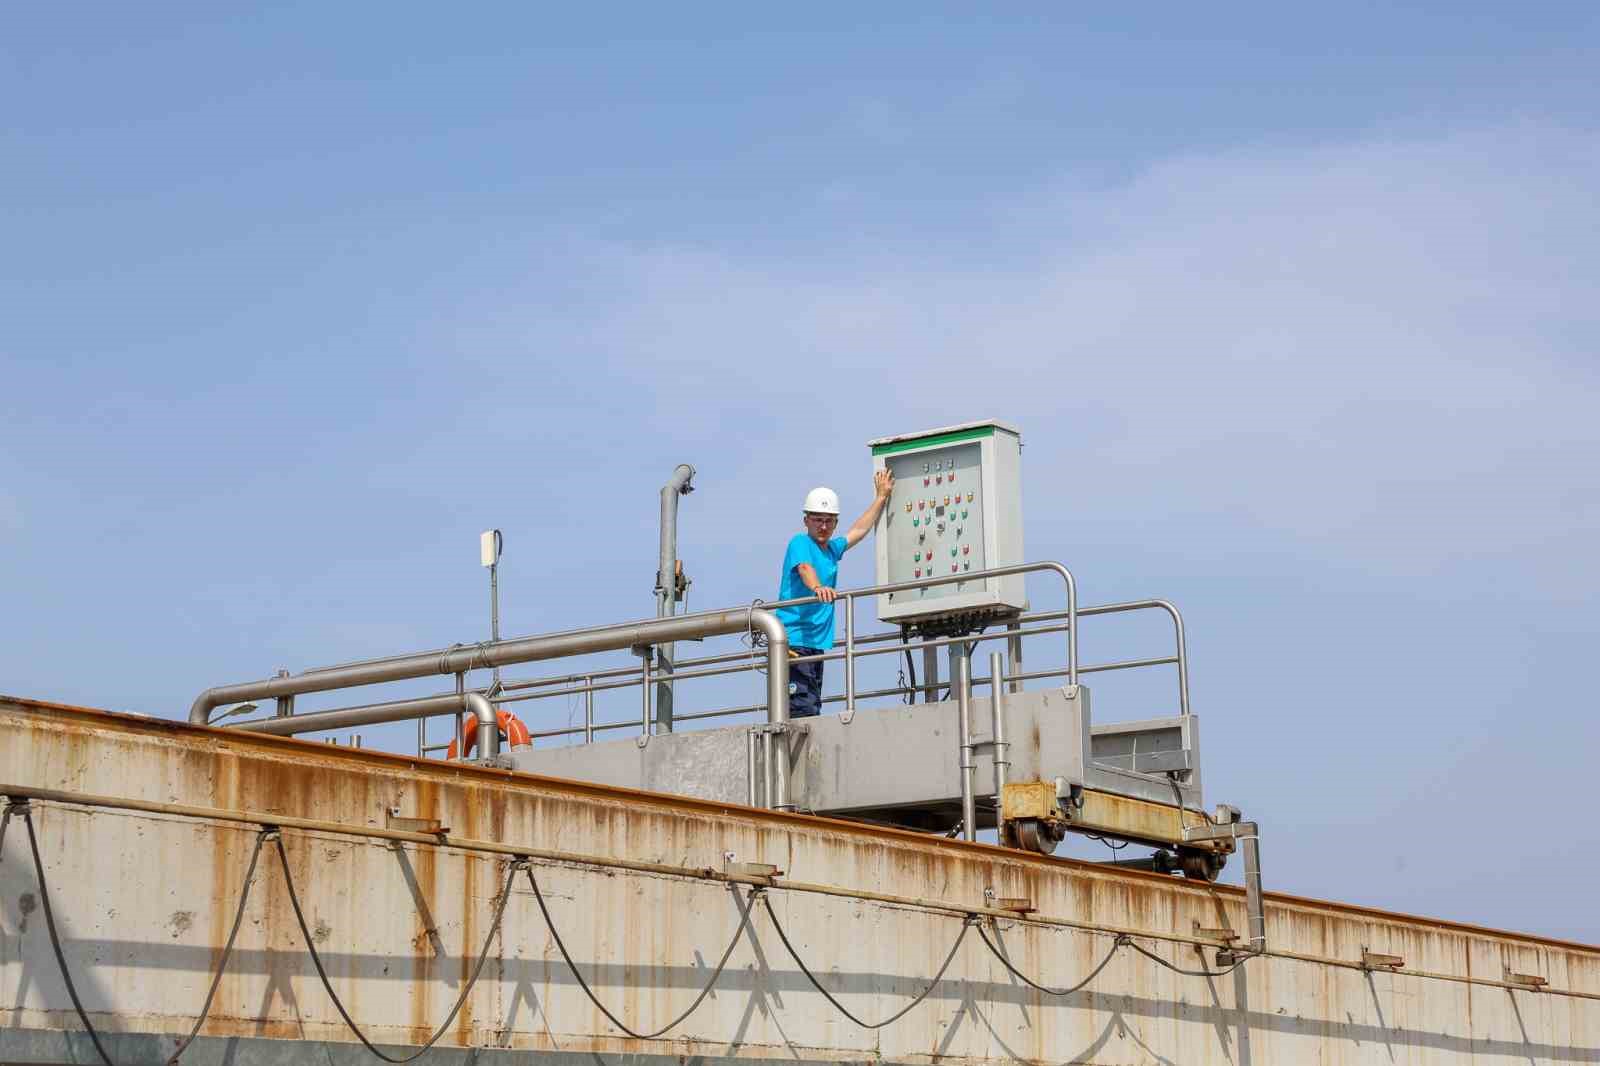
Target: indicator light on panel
908, 507
917, 572
963, 510
916, 522
966, 566
924, 468
916, 557
952, 553
966, 549
924, 481
947, 501
969, 497
952, 475
953, 568
921, 504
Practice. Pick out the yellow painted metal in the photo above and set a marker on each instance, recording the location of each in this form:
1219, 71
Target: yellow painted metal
1139, 820
1030, 799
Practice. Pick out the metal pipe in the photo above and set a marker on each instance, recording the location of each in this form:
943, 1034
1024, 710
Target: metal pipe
1014, 649
961, 678
750, 766
494, 601
849, 659
679, 484
527, 649
644, 696
460, 726
1255, 905
588, 712
398, 711
930, 672
1002, 751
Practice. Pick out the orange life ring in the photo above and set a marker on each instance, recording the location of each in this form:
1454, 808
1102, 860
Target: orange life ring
512, 731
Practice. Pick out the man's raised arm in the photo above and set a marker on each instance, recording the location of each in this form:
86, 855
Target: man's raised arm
883, 482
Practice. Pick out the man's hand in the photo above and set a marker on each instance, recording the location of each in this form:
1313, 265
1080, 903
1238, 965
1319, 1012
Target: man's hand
826, 594
883, 482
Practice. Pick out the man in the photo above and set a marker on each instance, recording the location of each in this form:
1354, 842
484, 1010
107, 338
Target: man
811, 568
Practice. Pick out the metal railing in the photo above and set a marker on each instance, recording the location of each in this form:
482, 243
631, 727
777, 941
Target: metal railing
588, 683
640, 636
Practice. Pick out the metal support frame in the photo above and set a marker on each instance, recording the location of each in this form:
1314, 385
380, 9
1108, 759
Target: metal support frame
1249, 838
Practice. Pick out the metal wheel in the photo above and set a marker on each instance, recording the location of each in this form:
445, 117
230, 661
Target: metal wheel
1034, 835
1198, 865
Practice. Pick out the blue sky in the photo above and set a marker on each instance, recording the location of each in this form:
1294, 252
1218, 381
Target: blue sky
1296, 312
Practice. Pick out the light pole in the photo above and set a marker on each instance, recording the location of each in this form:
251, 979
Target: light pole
490, 545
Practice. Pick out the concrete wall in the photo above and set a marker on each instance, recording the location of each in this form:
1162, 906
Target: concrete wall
144, 903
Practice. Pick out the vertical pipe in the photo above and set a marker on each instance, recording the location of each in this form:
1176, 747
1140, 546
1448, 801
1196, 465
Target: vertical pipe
679, 484
1014, 650
1002, 751
422, 735
930, 674
750, 765
1254, 903
849, 657
766, 768
461, 733
644, 690
961, 678
494, 610
588, 710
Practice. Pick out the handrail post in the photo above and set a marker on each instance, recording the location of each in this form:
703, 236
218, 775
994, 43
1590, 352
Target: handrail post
1183, 654
644, 688
588, 710
849, 659
1014, 651
1002, 750
961, 677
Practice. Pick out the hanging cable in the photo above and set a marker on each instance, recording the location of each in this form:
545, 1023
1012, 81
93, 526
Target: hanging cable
26, 811
1238, 961
744, 921
316, 959
1116, 946
966, 923
227, 950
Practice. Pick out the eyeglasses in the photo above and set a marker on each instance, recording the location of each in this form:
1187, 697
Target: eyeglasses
823, 518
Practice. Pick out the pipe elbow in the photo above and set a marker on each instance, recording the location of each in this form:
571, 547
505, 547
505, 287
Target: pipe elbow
488, 722
767, 623
681, 482
200, 709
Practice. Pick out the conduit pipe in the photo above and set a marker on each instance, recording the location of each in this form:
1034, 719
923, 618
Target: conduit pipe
681, 483
474, 703
459, 660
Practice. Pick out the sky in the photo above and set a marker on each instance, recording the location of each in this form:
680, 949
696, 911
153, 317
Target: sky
1295, 310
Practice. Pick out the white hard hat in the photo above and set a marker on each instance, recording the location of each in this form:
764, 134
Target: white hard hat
822, 500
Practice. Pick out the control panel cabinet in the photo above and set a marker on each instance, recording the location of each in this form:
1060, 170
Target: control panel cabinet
956, 509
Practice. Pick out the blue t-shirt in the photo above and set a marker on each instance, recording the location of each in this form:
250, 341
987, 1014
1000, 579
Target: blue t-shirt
810, 625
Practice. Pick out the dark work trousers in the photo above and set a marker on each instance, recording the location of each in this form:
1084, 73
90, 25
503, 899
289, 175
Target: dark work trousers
805, 685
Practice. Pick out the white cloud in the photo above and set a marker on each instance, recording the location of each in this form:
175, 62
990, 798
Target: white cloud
1384, 350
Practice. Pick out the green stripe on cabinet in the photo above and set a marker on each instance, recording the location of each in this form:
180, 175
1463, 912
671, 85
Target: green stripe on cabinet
928, 442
